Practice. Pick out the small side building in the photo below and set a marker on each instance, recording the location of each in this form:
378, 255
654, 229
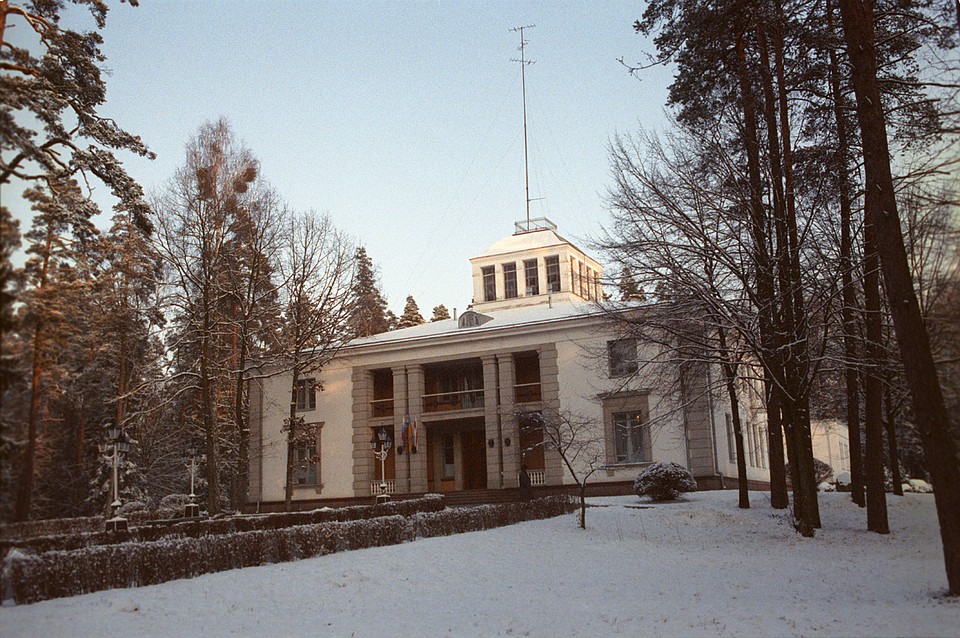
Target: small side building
454, 395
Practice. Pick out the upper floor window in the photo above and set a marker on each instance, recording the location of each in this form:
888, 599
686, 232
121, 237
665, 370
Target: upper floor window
489, 283
510, 280
622, 354
553, 273
382, 404
306, 470
531, 276
305, 394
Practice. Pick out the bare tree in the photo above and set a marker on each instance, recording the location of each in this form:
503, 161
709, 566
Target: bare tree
579, 442
196, 221
317, 270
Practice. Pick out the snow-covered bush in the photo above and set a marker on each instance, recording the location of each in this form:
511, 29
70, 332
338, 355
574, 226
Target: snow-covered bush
664, 481
187, 549
172, 505
133, 507
822, 471
918, 485
826, 487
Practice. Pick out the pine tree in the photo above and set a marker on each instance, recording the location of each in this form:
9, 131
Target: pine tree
630, 290
411, 314
440, 313
369, 315
61, 86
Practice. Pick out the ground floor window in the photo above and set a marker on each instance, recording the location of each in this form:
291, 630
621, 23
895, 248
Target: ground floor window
626, 418
306, 469
632, 435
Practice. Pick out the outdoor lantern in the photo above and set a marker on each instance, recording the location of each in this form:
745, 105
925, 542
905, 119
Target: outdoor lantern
373, 441
123, 443
385, 437
113, 432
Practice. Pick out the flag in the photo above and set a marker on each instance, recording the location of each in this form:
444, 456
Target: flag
405, 432
414, 436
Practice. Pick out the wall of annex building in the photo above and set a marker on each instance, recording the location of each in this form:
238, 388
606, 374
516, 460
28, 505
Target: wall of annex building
269, 447
750, 391
586, 385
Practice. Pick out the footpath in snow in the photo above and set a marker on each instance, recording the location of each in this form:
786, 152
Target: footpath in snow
699, 567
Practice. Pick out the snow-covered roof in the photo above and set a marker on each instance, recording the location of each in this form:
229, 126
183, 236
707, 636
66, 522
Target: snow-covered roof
500, 320
526, 241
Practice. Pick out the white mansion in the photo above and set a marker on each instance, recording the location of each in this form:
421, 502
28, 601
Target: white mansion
452, 395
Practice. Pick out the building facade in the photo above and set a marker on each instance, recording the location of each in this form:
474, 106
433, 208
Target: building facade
456, 395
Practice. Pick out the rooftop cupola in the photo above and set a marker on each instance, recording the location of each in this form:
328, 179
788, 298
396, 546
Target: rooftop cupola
534, 265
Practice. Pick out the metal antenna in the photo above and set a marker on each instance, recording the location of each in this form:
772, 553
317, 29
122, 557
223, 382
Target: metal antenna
523, 84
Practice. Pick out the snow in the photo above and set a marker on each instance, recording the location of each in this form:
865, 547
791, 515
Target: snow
696, 567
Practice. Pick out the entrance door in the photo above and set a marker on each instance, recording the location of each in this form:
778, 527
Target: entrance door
474, 460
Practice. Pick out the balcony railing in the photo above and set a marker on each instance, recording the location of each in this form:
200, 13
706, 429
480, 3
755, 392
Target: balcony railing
526, 392
381, 407
376, 487
537, 477
444, 401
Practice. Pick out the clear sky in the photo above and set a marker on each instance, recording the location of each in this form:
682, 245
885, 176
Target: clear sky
400, 120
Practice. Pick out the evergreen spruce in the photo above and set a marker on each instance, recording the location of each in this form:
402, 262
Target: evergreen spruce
369, 315
411, 314
440, 313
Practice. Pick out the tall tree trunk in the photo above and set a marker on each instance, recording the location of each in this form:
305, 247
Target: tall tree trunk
291, 436
793, 355
873, 386
25, 482
730, 379
209, 412
849, 296
912, 337
779, 499
893, 454
764, 293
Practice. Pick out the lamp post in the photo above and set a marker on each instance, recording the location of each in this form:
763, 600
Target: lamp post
382, 436
117, 444
192, 453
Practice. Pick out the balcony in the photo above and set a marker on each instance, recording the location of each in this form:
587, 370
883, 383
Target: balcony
447, 401
526, 392
376, 487
381, 407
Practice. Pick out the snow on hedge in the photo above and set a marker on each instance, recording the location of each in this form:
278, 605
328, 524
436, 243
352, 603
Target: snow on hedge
230, 544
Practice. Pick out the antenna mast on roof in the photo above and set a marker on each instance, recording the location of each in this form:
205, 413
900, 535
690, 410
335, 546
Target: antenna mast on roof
523, 84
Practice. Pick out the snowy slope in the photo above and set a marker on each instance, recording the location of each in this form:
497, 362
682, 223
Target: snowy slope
695, 568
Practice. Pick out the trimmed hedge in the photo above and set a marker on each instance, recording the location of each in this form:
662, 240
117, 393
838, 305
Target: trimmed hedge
182, 528
28, 578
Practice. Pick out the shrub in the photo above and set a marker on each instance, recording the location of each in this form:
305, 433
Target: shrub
664, 481
172, 506
823, 472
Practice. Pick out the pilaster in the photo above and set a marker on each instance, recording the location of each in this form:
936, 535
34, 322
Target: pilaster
417, 462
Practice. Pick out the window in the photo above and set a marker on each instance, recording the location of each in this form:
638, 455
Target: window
531, 277
306, 470
510, 280
449, 457
623, 357
382, 404
553, 273
489, 283
631, 437
627, 435
305, 394
574, 277
731, 440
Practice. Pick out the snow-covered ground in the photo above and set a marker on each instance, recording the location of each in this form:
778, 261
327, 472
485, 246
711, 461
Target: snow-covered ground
695, 568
